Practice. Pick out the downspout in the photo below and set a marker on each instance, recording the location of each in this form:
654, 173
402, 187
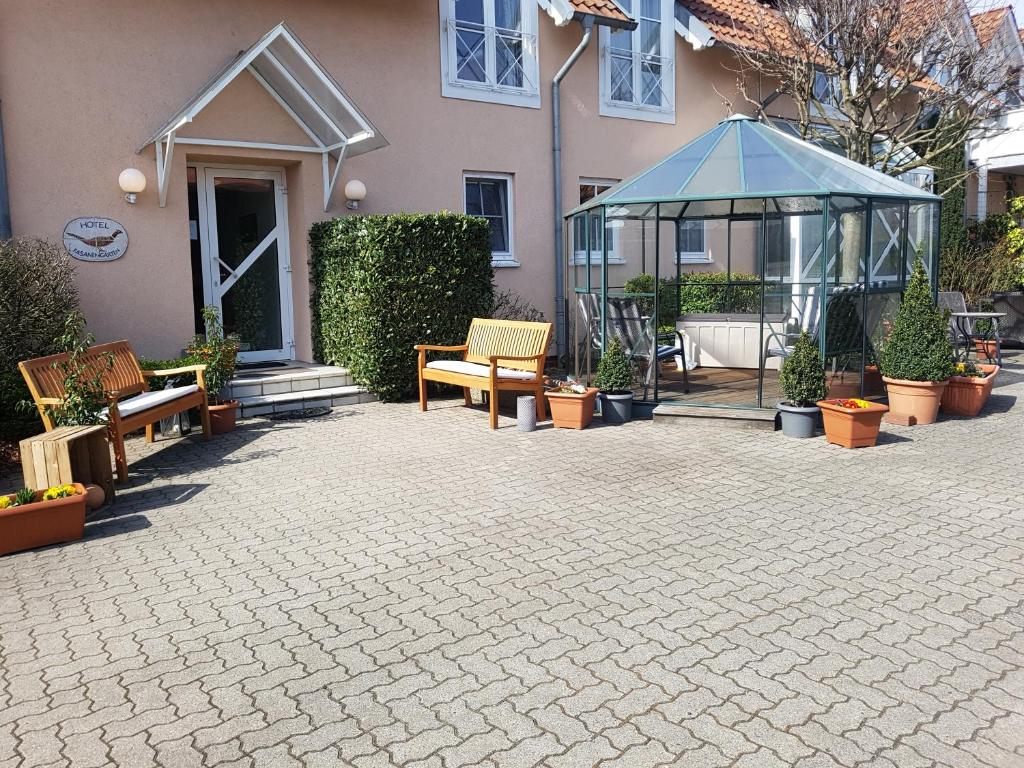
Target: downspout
5, 201
556, 149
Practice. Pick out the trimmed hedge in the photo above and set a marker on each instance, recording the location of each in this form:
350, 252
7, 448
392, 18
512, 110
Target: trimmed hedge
383, 283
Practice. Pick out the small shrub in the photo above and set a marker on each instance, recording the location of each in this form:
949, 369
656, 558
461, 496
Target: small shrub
919, 348
509, 305
37, 296
977, 272
81, 378
699, 292
802, 377
160, 382
614, 375
219, 353
383, 283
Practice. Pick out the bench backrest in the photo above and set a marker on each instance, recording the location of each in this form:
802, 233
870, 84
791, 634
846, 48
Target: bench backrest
45, 377
516, 338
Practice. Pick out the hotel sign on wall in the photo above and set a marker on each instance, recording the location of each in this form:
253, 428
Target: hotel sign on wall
94, 239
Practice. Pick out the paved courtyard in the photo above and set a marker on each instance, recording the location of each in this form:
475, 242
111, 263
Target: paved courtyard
381, 587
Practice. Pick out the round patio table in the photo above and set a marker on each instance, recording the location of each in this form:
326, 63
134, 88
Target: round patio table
963, 322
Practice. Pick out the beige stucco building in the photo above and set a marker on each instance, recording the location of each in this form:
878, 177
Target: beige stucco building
432, 104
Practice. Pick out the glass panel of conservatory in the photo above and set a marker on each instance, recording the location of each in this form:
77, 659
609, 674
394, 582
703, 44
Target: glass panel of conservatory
844, 340
922, 233
879, 315
669, 176
847, 233
885, 264
765, 169
719, 172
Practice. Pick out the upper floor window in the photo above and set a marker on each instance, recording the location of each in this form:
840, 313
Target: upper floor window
489, 196
826, 89
637, 67
489, 51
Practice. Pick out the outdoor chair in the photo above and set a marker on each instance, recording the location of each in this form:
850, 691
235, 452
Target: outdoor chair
804, 317
954, 301
130, 404
499, 355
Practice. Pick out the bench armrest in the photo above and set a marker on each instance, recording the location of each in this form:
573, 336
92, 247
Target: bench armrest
441, 347
495, 358
173, 371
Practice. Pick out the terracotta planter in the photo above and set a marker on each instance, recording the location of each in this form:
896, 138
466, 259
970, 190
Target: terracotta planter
916, 401
572, 411
222, 416
42, 523
967, 395
851, 427
987, 348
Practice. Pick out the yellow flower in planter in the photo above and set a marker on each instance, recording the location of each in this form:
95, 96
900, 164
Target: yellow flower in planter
5, 502
59, 492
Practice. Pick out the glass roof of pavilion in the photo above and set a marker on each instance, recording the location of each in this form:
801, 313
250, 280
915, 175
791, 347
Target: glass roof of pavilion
743, 158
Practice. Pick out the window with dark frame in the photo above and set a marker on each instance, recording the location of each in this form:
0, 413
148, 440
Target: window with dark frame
488, 198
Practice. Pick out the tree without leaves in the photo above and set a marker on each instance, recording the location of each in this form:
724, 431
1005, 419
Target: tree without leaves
909, 71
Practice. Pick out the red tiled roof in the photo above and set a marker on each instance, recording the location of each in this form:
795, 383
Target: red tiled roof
739, 22
605, 8
986, 24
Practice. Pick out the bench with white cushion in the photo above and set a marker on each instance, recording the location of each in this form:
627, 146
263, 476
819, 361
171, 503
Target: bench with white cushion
498, 355
131, 406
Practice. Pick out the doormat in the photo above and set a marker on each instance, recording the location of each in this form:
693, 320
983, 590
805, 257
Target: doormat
255, 366
305, 413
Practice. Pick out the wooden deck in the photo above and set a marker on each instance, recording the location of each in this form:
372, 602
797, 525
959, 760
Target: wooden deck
717, 386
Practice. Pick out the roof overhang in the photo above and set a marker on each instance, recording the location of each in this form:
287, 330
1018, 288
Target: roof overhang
565, 11
302, 88
692, 29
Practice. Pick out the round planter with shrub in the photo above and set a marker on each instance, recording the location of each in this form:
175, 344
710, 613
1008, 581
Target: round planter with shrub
614, 378
917, 359
802, 381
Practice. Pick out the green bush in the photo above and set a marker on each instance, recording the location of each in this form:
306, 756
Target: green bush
802, 377
160, 382
700, 292
37, 296
219, 353
919, 348
386, 282
613, 371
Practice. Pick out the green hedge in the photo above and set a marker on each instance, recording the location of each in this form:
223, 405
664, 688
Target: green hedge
384, 283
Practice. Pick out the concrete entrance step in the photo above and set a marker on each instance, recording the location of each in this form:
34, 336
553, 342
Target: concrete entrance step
736, 418
293, 387
329, 397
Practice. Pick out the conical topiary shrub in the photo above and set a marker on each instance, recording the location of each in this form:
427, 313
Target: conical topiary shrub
614, 377
917, 359
919, 348
802, 381
802, 378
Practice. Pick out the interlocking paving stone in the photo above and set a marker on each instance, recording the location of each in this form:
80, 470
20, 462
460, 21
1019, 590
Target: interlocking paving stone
383, 587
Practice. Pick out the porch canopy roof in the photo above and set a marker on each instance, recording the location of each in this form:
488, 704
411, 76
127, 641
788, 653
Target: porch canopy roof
305, 91
742, 158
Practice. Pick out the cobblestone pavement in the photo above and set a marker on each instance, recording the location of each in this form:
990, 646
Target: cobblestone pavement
381, 587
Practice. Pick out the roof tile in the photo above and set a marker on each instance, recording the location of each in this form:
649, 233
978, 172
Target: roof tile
608, 9
986, 24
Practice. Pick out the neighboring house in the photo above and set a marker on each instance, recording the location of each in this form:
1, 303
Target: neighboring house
431, 104
996, 157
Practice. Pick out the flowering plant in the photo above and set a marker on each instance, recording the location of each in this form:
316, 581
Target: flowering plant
970, 370
59, 492
568, 387
854, 403
28, 496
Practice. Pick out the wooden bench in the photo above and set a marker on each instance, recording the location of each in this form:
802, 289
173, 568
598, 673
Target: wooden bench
131, 405
498, 355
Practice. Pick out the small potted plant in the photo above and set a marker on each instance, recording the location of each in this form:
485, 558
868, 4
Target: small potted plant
613, 379
571, 404
969, 389
917, 360
31, 519
219, 353
802, 381
851, 422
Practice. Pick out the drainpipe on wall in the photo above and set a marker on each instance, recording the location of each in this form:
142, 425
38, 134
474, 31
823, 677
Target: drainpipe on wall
556, 148
5, 201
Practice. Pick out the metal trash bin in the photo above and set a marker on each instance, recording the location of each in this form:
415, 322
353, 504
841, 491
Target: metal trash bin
526, 413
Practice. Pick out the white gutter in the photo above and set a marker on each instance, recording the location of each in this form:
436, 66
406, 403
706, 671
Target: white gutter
692, 29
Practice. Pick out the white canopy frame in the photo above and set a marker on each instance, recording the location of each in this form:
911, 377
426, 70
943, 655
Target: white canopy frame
301, 86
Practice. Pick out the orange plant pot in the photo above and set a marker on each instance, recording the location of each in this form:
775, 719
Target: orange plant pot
988, 348
222, 417
570, 410
43, 522
967, 395
916, 401
851, 427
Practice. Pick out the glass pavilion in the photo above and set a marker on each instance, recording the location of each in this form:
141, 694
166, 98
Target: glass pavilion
708, 265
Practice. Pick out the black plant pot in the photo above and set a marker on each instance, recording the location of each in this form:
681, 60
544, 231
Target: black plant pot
616, 408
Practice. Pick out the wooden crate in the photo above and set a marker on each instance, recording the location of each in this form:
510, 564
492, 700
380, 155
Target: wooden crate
68, 455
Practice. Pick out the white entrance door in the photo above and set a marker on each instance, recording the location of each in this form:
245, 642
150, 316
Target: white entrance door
246, 264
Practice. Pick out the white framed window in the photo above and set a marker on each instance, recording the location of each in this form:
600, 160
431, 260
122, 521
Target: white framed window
638, 66
589, 189
691, 247
489, 196
489, 51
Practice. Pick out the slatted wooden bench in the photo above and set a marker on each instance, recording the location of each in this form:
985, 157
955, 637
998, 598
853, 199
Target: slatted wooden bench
498, 355
131, 405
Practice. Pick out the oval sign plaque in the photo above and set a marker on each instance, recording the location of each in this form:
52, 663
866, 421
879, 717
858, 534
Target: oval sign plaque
90, 238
